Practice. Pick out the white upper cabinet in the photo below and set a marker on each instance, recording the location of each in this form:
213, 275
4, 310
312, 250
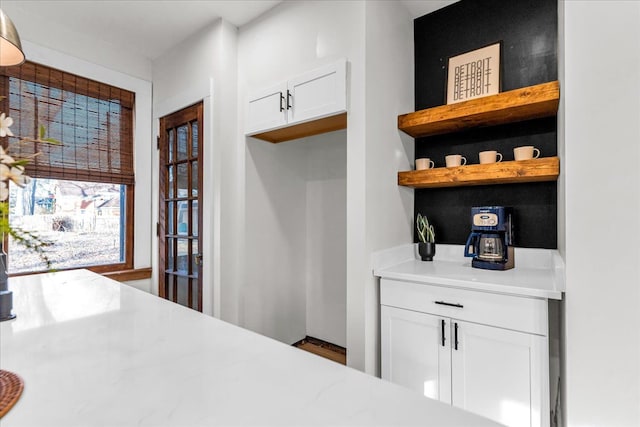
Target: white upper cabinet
307, 104
266, 109
318, 93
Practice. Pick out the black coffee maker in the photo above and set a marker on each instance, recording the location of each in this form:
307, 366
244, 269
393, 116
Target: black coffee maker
491, 240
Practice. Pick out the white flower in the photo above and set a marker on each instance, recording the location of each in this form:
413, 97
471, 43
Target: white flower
15, 174
4, 191
5, 158
5, 122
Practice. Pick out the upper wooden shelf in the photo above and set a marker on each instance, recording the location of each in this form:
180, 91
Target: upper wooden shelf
517, 105
534, 170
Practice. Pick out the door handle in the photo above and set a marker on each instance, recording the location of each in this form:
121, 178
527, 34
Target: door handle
198, 259
449, 304
442, 331
281, 102
289, 98
455, 336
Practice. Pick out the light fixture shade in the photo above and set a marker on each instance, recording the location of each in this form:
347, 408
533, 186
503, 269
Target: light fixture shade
10, 47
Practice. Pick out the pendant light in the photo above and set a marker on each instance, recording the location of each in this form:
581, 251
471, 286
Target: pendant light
10, 47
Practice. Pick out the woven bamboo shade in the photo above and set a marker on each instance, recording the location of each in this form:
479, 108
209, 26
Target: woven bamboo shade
94, 122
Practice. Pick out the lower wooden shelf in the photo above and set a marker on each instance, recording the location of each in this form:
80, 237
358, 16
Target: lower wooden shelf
534, 170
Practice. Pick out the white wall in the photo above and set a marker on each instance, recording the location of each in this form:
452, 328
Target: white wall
292, 38
296, 238
326, 237
377, 40
389, 207
274, 290
602, 146
203, 68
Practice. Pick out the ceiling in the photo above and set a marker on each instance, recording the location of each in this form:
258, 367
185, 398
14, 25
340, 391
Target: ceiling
147, 28
419, 8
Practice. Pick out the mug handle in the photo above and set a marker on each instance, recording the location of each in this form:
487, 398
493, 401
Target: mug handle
463, 161
499, 157
431, 164
535, 150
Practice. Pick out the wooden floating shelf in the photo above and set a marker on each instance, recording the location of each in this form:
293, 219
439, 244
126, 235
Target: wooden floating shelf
315, 127
534, 170
517, 105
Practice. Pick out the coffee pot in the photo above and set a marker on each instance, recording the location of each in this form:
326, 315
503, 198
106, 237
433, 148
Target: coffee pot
490, 243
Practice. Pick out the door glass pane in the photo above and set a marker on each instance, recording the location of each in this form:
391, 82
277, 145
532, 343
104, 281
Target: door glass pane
194, 179
183, 291
183, 136
194, 141
170, 259
183, 180
183, 218
171, 145
168, 285
194, 218
171, 178
170, 223
182, 261
194, 286
194, 251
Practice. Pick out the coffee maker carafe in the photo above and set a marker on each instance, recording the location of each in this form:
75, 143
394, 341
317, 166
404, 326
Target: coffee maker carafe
491, 240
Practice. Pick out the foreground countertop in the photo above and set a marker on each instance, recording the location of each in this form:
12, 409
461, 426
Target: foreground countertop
538, 273
96, 352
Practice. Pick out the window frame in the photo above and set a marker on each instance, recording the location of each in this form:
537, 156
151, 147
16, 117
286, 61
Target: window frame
129, 225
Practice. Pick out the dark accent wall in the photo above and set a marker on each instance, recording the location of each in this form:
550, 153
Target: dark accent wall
528, 30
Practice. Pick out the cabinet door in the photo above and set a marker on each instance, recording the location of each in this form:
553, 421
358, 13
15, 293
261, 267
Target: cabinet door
413, 354
499, 373
318, 93
266, 109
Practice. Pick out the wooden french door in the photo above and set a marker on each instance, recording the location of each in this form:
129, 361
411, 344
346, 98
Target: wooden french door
180, 214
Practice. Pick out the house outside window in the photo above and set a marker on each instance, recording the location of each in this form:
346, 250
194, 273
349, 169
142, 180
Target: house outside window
81, 195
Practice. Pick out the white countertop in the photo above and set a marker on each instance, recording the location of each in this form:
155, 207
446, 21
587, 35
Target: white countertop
538, 273
95, 352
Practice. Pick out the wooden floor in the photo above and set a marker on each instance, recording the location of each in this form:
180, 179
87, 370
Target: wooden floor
323, 349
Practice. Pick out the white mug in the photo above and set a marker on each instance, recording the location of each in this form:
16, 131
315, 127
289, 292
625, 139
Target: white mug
526, 152
489, 157
453, 160
424, 163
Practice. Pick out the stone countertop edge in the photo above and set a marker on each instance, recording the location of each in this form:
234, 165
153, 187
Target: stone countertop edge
539, 273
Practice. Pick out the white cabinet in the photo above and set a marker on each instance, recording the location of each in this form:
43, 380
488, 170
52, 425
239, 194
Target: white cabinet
303, 103
498, 373
266, 109
488, 365
412, 354
318, 93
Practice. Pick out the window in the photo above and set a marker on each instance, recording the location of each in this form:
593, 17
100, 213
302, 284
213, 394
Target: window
81, 197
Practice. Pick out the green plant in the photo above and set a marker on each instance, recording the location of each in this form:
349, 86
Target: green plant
425, 230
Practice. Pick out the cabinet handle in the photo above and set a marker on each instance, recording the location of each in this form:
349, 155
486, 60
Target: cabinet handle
281, 102
289, 97
450, 304
442, 331
455, 336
